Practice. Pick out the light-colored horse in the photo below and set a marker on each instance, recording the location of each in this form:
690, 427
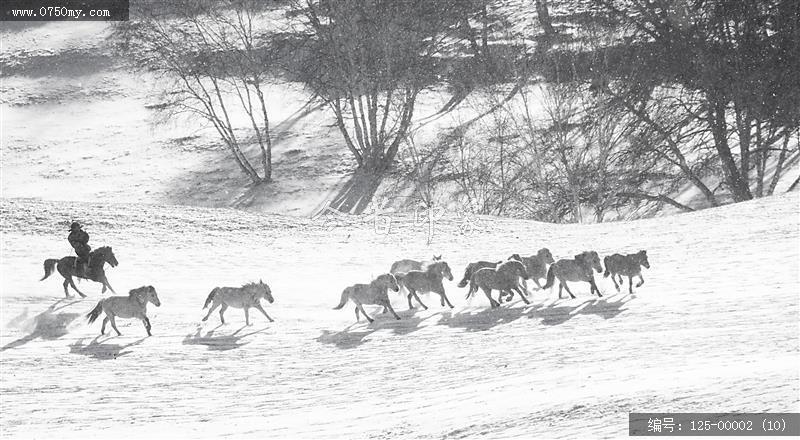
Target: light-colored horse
577, 269
243, 297
374, 293
132, 306
504, 278
404, 266
628, 265
536, 266
474, 267
428, 281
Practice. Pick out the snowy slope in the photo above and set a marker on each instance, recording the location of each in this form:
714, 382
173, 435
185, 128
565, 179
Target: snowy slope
714, 328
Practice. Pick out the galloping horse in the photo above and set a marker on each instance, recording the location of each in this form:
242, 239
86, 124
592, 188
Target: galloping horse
132, 306
577, 269
405, 266
426, 281
243, 297
504, 278
375, 293
66, 267
629, 265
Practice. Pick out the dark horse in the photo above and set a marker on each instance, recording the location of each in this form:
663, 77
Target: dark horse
66, 267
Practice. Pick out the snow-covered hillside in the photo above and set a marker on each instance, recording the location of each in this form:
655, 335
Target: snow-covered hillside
715, 327
78, 123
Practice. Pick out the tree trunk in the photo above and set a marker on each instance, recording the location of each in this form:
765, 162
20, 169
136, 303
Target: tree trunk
544, 17
739, 190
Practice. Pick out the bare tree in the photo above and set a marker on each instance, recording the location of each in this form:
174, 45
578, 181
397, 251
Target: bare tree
736, 64
216, 55
369, 61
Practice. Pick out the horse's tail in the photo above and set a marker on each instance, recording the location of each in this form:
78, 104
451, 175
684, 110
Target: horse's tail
210, 297
605, 263
49, 267
343, 301
473, 287
95, 313
551, 278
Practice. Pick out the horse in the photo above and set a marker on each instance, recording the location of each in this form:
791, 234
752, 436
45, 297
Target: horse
629, 265
536, 266
428, 281
374, 293
66, 267
473, 267
504, 278
577, 269
403, 266
132, 306
239, 297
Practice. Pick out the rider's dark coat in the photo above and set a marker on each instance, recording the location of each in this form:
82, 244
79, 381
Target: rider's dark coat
79, 240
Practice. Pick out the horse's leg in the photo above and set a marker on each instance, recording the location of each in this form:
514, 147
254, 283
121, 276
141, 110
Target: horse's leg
641, 281
445, 300
521, 295
114, 324
105, 282
536, 281
247, 315
519, 287
414, 292
103, 328
72, 284
221, 312
594, 288
566, 288
358, 317
630, 285
488, 293
147, 326
359, 306
258, 306
213, 307
389, 307
615, 282
410, 307
66, 283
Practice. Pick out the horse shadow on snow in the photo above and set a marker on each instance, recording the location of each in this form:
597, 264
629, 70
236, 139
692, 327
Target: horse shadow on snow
47, 325
219, 342
356, 334
549, 314
100, 350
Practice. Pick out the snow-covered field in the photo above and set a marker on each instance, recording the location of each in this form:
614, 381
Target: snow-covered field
715, 327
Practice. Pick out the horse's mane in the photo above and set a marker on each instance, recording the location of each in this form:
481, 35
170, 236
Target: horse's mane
137, 290
432, 267
511, 262
253, 285
101, 249
384, 275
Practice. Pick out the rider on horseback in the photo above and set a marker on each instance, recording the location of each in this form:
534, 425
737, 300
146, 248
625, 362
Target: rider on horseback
79, 239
